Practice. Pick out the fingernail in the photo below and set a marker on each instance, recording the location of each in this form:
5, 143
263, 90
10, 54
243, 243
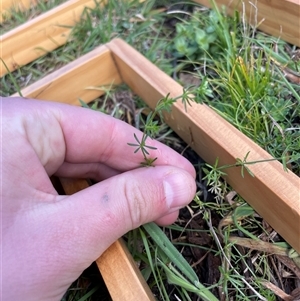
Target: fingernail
179, 189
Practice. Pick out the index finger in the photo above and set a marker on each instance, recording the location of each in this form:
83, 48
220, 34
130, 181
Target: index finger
92, 137
95, 137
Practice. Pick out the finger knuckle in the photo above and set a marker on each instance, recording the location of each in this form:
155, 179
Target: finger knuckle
140, 201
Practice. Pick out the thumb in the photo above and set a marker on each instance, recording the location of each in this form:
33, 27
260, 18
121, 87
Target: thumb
109, 209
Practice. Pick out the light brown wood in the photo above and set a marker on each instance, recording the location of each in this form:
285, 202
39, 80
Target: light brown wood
71, 186
279, 18
273, 193
123, 279
7, 5
40, 35
119, 268
22, 4
77, 79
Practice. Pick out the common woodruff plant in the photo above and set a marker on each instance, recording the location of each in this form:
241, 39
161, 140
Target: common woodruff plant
151, 124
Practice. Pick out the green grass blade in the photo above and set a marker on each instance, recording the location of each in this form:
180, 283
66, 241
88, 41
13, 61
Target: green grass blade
12, 78
150, 261
173, 254
90, 293
289, 85
174, 277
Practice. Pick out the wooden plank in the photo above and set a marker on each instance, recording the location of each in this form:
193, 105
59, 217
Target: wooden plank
279, 18
273, 193
20, 4
123, 279
7, 5
117, 266
40, 35
77, 79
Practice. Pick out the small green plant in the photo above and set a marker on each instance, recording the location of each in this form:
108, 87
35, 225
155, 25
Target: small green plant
201, 35
151, 126
215, 173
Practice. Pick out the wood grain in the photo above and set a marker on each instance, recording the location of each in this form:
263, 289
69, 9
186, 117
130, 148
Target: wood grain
279, 18
273, 193
83, 78
123, 279
40, 35
7, 5
117, 266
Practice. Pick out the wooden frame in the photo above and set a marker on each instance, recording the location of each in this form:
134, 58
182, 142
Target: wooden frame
279, 18
7, 5
77, 79
272, 192
41, 35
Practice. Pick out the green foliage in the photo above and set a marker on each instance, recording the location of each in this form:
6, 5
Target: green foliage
191, 41
167, 265
259, 104
132, 21
243, 80
141, 145
203, 34
12, 78
172, 253
151, 126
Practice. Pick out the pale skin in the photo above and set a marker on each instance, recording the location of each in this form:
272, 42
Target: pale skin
49, 239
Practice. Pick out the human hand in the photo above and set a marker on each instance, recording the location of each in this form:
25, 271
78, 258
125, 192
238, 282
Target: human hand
49, 239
